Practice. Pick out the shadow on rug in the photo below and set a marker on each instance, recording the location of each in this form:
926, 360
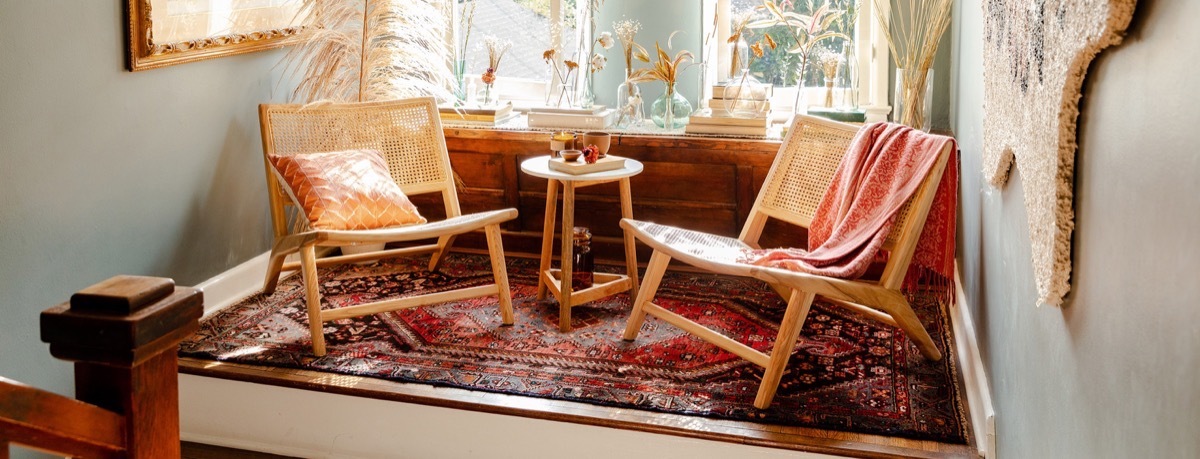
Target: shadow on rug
848, 373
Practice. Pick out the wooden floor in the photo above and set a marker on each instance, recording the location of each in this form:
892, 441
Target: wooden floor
775, 436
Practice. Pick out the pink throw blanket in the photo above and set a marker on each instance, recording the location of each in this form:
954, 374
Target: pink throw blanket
879, 173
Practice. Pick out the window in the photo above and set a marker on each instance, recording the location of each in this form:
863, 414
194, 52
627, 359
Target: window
869, 51
529, 25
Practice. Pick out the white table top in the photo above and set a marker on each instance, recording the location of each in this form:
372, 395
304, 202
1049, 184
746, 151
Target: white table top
538, 167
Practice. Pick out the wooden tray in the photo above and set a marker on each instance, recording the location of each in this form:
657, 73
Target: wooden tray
607, 163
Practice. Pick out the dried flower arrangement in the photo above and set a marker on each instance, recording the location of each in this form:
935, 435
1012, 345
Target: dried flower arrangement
495, 50
806, 31
830, 61
666, 69
359, 50
913, 39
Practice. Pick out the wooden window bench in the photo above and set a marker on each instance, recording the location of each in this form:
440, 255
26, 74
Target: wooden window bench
702, 183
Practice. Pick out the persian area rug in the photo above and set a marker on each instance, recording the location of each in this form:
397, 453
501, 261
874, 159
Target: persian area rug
847, 373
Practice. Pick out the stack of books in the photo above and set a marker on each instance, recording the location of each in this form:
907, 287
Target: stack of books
718, 118
597, 117
480, 116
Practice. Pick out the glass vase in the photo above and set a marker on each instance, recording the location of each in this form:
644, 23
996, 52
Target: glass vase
744, 96
671, 110
739, 58
629, 101
587, 93
850, 77
829, 92
489, 95
913, 103
563, 96
800, 106
460, 87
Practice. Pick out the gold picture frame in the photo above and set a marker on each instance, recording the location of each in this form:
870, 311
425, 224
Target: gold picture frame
169, 32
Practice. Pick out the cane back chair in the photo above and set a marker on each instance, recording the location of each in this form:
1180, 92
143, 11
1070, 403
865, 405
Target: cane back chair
802, 171
409, 135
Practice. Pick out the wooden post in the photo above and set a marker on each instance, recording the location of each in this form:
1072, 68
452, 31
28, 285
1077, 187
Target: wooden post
123, 335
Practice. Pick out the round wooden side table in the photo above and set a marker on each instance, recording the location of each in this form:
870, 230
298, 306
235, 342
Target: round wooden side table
558, 281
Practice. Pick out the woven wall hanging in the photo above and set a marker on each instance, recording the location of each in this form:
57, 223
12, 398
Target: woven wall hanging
1036, 54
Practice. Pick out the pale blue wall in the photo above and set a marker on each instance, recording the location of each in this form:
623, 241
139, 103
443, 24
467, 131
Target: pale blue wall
659, 18
1114, 373
106, 172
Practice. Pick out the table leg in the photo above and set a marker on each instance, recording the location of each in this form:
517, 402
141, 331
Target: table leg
631, 263
547, 236
568, 225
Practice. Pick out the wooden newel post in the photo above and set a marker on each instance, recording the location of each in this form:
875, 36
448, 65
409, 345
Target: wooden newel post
123, 335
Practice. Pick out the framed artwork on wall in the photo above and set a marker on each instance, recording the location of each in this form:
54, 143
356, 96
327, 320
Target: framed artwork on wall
168, 32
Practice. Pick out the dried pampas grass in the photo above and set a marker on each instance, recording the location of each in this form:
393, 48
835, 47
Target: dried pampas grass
369, 50
913, 35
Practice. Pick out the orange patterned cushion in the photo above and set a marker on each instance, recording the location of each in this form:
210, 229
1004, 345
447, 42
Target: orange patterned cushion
346, 190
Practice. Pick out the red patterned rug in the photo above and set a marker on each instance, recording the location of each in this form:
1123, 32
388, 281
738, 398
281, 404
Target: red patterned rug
847, 373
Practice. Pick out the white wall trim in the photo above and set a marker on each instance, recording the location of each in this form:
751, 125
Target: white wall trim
979, 395
232, 285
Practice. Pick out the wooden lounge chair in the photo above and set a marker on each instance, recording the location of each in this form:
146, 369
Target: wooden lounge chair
409, 135
801, 173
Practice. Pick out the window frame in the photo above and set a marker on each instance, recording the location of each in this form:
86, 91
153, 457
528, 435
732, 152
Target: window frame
871, 50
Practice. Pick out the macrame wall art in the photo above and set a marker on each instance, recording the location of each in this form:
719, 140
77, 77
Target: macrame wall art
1036, 54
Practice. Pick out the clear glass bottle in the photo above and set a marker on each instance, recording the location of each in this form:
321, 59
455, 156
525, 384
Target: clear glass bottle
629, 102
582, 265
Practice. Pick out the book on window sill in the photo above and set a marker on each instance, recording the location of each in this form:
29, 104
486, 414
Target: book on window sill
607, 163
452, 119
594, 110
698, 128
760, 91
707, 116
720, 106
600, 120
491, 110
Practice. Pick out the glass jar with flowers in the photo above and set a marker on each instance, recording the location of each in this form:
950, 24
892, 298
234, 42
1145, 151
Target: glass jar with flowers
593, 61
495, 49
830, 61
560, 78
466, 20
672, 109
805, 30
629, 97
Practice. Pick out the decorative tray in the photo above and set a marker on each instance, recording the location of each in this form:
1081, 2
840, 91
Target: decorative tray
607, 163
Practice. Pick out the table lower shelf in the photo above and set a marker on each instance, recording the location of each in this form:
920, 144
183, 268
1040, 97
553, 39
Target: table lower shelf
603, 284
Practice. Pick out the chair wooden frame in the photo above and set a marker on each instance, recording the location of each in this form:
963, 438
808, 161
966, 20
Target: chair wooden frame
409, 134
802, 170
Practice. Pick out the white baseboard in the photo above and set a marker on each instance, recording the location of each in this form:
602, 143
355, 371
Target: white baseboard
979, 395
232, 285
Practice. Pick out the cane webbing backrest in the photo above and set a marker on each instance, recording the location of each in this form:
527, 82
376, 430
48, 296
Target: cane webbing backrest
407, 132
804, 169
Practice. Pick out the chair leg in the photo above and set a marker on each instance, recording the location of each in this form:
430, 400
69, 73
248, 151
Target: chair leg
654, 273
274, 266
789, 331
500, 271
907, 319
312, 296
443, 249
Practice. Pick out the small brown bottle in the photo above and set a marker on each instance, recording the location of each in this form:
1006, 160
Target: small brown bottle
582, 262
